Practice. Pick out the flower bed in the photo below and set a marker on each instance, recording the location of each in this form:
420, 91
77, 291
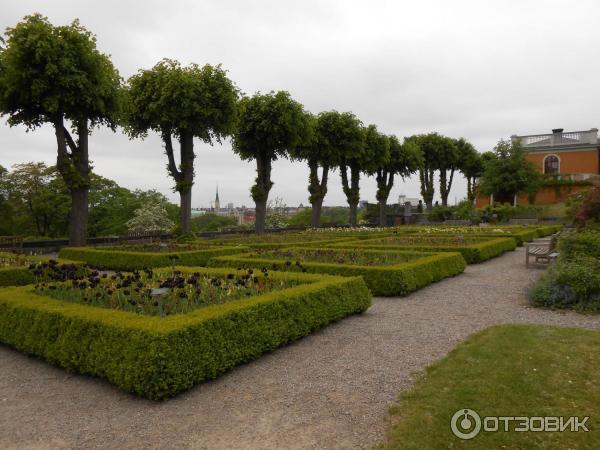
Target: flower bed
473, 249
19, 270
130, 260
161, 293
385, 272
156, 357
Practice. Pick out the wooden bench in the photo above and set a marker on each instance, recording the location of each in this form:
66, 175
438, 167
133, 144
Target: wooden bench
544, 251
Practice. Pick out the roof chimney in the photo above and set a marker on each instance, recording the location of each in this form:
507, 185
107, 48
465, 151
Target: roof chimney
557, 130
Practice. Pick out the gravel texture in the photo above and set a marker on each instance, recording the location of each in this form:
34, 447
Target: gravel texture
329, 390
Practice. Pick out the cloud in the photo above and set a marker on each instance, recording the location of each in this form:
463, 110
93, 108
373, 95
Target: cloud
480, 70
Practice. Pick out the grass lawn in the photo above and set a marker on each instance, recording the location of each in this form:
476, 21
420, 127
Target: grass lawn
507, 370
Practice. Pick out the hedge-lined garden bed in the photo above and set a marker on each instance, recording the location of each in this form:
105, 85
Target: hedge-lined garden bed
473, 249
386, 273
20, 270
130, 260
157, 357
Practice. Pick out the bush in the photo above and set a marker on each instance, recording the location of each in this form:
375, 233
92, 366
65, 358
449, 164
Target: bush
158, 357
570, 284
389, 280
587, 211
583, 243
126, 260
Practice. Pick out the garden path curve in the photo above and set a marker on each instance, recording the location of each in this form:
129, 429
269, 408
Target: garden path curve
329, 390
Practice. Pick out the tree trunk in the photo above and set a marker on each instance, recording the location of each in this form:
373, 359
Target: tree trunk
187, 181
260, 190
352, 190
353, 213
261, 215
382, 215
78, 217
185, 210
427, 189
317, 190
315, 217
75, 170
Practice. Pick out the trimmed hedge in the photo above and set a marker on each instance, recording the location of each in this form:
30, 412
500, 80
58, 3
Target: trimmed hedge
21, 275
126, 260
16, 276
389, 280
291, 243
472, 253
158, 357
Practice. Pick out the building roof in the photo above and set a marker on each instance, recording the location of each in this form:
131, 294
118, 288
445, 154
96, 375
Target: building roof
559, 140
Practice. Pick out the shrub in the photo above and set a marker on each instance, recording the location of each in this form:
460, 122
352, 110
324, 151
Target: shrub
158, 357
398, 279
126, 260
587, 211
583, 243
572, 284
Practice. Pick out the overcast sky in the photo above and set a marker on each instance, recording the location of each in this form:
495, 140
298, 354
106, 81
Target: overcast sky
482, 70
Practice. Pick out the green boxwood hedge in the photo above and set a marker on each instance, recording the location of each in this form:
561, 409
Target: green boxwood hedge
158, 357
389, 280
16, 276
476, 252
21, 275
128, 260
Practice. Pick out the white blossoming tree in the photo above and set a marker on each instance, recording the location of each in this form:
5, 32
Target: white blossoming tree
150, 217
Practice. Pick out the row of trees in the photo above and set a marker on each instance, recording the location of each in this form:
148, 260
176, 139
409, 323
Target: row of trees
55, 75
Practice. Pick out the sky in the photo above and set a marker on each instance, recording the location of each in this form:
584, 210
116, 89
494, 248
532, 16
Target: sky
482, 70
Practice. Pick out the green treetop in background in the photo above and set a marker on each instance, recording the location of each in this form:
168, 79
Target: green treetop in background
508, 173
471, 166
335, 134
185, 103
55, 75
438, 153
404, 160
270, 126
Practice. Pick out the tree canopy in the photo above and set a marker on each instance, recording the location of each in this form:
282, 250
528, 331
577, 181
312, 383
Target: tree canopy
334, 134
270, 126
508, 173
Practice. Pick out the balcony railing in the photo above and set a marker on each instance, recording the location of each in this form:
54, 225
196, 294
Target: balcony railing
558, 138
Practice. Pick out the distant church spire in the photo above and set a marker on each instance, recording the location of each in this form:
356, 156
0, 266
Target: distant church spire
217, 202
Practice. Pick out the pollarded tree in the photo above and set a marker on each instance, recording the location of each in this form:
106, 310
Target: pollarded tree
437, 153
55, 75
270, 126
182, 103
471, 166
448, 161
404, 160
335, 133
377, 158
352, 158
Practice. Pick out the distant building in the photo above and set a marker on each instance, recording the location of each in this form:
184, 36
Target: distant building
403, 199
572, 157
217, 204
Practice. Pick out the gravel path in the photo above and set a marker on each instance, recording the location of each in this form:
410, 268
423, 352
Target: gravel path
329, 390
